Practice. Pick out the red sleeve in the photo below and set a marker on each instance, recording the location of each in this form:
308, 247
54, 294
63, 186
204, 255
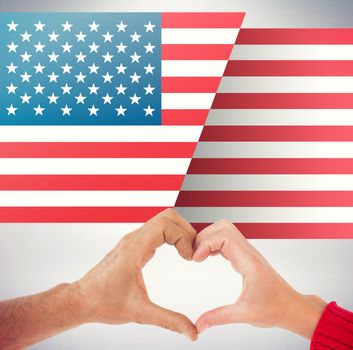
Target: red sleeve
334, 330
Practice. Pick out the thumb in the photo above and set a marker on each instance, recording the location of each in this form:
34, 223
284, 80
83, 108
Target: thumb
219, 316
174, 321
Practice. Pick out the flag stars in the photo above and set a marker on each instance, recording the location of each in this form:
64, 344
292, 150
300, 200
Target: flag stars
121, 47
53, 36
121, 89
11, 110
39, 26
107, 37
80, 37
135, 78
12, 26
94, 47
93, 110
80, 99
11, 68
107, 99
12, 47
121, 26
26, 36
107, 57
135, 99
149, 48
66, 47
149, 89
39, 47
66, 110
39, 110
53, 98
66, 89
149, 26
149, 111
25, 98
135, 37
94, 27
53, 57
149, 69
11, 89
26, 57
25, 77
39, 68
80, 78
93, 69
39, 89
53, 77
67, 27
107, 78
93, 89
135, 58
121, 69
66, 69
80, 57
121, 110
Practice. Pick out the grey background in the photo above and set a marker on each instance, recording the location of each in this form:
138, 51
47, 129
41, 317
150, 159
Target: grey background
35, 257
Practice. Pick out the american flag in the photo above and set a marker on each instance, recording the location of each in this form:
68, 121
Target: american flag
100, 113
276, 153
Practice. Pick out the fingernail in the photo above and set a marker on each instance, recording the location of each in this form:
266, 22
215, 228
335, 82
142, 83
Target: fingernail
188, 335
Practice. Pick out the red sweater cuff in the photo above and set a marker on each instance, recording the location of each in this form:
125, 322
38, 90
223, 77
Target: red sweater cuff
334, 330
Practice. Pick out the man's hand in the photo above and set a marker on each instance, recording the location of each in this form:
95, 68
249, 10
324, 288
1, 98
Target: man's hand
267, 300
114, 291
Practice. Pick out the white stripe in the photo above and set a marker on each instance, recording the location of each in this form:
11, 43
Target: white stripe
199, 35
87, 198
292, 52
286, 84
280, 117
274, 150
187, 101
269, 214
13, 166
194, 68
114, 133
268, 183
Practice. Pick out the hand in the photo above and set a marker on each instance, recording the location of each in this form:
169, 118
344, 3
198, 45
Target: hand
114, 291
267, 300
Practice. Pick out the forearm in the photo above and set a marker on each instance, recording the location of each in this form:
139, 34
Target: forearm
25, 321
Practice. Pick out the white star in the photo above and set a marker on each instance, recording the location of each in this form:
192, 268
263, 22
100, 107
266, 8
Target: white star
11, 110
67, 27
39, 47
67, 47
80, 37
135, 99
53, 77
39, 89
66, 68
107, 57
12, 47
53, 36
107, 37
66, 110
121, 110
135, 37
25, 57
107, 99
149, 111
39, 110
80, 77
93, 47
53, 98
94, 27
149, 26
121, 89
66, 89
149, 89
12, 26
121, 27
135, 58
149, 48
39, 68
80, 57
39, 26
25, 98
11, 89
80, 99
135, 78
25, 77
93, 110
93, 89
107, 78
121, 69
121, 47
93, 69
149, 69
11, 68
26, 36
53, 57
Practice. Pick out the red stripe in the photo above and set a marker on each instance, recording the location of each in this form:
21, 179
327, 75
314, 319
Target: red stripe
291, 230
78, 214
184, 117
196, 51
271, 166
91, 182
277, 133
265, 199
202, 19
96, 149
289, 68
190, 84
283, 101
290, 36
